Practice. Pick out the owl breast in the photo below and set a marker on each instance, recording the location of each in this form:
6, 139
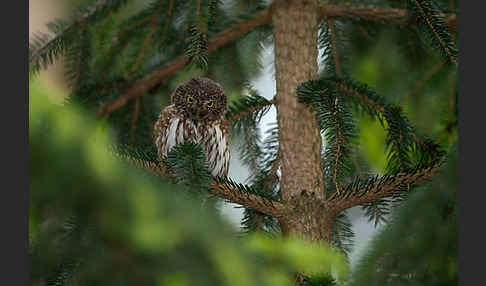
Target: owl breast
172, 129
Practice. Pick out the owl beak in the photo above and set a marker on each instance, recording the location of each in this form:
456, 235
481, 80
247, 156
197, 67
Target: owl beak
199, 113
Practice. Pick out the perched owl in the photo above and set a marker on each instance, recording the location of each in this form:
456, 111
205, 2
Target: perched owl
196, 113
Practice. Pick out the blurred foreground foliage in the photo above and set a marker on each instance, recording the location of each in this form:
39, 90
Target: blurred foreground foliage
96, 221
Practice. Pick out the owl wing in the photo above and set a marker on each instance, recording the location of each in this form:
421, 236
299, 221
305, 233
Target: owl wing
216, 142
170, 130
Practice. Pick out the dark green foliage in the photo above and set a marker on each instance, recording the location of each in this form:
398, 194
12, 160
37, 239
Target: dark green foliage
377, 211
266, 179
44, 49
336, 123
247, 109
197, 48
419, 245
108, 52
401, 141
245, 115
427, 14
189, 166
125, 151
406, 152
320, 280
343, 235
260, 157
77, 55
333, 42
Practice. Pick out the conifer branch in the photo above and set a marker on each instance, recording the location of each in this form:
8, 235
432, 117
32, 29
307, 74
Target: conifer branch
251, 154
375, 188
142, 86
378, 107
332, 32
339, 152
141, 162
434, 23
221, 187
253, 221
229, 190
263, 17
251, 110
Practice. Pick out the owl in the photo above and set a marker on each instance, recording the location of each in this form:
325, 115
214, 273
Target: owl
196, 114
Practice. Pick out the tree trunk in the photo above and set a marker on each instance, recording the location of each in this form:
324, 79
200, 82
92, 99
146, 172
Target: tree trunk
295, 37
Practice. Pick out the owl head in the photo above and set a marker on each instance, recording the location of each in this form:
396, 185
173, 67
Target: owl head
200, 99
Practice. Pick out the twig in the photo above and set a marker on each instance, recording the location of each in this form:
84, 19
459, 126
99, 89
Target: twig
168, 20
136, 111
272, 174
339, 153
421, 83
358, 168
145, 44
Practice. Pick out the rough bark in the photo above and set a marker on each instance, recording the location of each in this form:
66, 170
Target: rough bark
295, 37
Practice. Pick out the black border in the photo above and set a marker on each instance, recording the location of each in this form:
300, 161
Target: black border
471, 143
14, 116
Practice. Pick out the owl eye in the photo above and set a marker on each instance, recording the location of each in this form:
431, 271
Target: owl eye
189, 99
211, 104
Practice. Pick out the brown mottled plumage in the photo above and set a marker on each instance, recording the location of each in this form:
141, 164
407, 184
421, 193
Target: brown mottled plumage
196, 114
